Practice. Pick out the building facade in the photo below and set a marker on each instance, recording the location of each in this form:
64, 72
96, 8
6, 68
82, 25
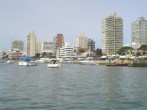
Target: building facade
112, 34
15, 54
18, 44
67, 51
31, 44
139, 31
48, 47
38, 47
58, 40
82, 41
91, 45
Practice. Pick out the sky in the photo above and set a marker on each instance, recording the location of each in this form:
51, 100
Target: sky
70, 17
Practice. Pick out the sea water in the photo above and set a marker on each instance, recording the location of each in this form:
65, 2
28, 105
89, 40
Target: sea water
72, 87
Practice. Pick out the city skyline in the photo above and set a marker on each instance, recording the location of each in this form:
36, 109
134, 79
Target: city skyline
69, 17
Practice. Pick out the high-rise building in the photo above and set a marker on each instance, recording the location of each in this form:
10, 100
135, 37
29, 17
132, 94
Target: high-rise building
18, 44
31, 44
139, 31
82, 41
112, 34
38, 47
59, 40
91, 45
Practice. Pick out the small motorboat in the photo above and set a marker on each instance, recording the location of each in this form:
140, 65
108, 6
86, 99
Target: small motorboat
54, 63
27, 63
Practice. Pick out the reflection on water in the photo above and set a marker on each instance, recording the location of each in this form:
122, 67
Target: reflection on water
73, 87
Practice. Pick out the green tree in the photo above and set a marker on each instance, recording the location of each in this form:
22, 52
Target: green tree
98, 52
124, 50
37, 55
81, 50
50, 55
44, 55
143, 48
5, 55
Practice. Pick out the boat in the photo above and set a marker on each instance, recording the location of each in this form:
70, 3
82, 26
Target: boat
117, 64
10, 61
67, 61
88, 61
54, 63
27, 63
32, 63
23, 63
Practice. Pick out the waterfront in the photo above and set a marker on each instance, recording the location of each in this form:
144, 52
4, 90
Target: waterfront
72, 87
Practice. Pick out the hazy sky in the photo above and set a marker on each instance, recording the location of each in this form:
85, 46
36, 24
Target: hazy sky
69, 17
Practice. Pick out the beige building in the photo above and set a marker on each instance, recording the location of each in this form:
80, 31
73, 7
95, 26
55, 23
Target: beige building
18, 44
139, 31
38, 47
112, 34
31, 44
81, 41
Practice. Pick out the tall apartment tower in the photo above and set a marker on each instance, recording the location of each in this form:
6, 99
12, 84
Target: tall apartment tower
81, 41
59, 40
139, 31
112, 34
31, 44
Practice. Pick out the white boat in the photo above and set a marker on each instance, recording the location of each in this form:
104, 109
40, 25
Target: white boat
10, 61
32, 63
67, 61
54, 64
88, 61
29, 63
22, 63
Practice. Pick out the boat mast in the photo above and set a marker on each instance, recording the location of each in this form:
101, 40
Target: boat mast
11, 50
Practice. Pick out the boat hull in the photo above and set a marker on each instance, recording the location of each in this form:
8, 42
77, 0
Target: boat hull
23, 63
54, 65
86, 62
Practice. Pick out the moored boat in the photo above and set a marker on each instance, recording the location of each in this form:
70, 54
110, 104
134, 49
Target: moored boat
10, 61
88, 61
25, 63
117, 64
54, 63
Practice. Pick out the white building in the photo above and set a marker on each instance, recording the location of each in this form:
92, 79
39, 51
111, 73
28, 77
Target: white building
82, 41
67, 51
48, 47
31, 44
112, 34
14, 54
139, 31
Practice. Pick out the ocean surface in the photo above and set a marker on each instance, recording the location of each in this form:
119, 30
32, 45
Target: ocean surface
72, 87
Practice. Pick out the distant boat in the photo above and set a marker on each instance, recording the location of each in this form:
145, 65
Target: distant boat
27, 63
10, 61
54, 63
88, 61
22, 63
117, 64
67, 61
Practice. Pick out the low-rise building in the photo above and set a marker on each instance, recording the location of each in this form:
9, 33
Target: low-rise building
14, 54
67, 51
